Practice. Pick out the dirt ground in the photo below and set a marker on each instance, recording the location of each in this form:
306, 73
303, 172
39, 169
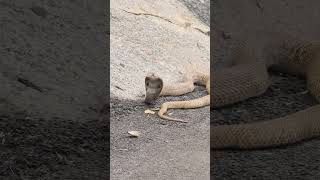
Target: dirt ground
52, 149
165, 150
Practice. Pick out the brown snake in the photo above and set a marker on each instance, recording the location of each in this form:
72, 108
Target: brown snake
246, 78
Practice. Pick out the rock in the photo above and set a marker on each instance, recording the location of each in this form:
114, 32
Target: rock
158, 37
55, 68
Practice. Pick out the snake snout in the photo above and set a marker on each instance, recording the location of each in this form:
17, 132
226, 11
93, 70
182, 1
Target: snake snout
153, 86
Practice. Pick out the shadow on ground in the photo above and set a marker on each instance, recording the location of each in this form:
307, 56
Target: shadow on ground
55, 149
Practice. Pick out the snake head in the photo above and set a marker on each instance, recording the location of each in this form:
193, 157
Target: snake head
153, 86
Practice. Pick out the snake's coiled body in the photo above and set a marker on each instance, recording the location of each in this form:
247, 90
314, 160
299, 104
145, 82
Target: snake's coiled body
155, 88
248, 78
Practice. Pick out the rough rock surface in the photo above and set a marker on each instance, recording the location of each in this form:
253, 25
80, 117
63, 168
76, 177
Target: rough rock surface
153, 36
53, 62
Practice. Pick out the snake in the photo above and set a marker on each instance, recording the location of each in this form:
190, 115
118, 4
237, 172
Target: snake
248, 77
155, 88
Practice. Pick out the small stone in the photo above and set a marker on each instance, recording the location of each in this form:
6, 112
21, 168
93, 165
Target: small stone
134, 133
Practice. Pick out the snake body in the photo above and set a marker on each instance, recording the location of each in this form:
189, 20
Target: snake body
248, 77
155, 87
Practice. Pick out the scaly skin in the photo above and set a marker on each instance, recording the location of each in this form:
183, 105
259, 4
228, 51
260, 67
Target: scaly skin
155, 88
248, 77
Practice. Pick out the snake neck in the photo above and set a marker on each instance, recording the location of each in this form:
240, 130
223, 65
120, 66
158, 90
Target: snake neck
187, 85
177, 89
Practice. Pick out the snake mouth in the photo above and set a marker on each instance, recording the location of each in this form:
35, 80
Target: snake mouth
153, 86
